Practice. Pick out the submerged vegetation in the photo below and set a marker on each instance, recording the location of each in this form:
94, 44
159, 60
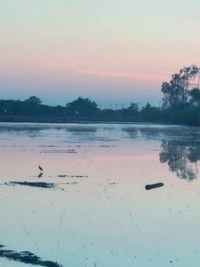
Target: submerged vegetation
180, 105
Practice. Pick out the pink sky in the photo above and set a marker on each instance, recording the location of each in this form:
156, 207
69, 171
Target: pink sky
110, 51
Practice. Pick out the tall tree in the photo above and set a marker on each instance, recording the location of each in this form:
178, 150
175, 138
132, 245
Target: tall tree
176, 92
82, 107
34, 100
195, 97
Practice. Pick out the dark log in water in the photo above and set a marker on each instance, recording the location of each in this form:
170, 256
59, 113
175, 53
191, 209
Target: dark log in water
153, 186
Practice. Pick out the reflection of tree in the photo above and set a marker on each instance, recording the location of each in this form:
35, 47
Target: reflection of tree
180, 147
131, 131
182, 157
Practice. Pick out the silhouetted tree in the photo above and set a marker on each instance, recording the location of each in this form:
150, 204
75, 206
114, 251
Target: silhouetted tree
82, 107
176, 91
129, 113
34, 100
195, 96
149, 113
133, 108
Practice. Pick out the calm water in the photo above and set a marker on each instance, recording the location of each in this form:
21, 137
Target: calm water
97, 212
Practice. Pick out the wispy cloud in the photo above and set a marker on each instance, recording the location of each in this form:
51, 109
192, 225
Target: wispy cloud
133, 76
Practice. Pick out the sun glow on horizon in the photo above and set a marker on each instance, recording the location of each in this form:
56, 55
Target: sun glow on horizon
132, 76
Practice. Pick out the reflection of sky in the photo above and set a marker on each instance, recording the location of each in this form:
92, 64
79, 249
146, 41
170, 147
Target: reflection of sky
62, 49
106, 218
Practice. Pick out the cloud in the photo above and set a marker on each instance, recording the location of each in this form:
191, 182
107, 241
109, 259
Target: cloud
133, 76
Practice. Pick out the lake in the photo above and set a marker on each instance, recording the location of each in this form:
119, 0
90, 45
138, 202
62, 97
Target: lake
87, 205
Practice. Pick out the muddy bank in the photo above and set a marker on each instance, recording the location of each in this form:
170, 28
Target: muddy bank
32, 184
26, 257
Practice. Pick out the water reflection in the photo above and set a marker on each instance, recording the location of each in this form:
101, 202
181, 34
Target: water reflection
180, 147
95, 175
181, 157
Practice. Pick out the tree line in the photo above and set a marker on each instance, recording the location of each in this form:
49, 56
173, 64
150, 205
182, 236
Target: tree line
180, 105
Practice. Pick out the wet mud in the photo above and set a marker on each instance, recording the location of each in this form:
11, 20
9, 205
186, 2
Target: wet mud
26, 257
32, 184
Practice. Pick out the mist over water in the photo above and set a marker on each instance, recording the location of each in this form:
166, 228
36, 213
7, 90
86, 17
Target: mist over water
74, 195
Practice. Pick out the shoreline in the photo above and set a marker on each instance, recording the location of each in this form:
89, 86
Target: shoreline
52, 120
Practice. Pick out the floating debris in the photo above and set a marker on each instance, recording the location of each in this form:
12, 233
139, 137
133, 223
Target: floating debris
153, 186
71, 183
26, 257
58, 151
33, 184
71, 176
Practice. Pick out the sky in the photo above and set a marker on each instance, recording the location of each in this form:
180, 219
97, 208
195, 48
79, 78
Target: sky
112, 51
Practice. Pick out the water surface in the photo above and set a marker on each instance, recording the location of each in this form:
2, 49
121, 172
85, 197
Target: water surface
96, 211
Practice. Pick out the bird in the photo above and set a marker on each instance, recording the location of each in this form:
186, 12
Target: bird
40, 175
40, 168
